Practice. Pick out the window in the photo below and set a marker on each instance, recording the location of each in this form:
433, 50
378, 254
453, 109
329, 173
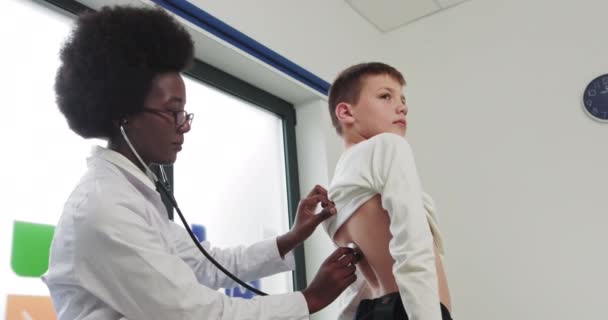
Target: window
230, 176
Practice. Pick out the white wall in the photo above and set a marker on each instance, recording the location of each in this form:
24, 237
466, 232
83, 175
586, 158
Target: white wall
502, 142
322, 36
516, 167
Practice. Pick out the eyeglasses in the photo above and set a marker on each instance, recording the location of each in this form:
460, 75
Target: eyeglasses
180, 118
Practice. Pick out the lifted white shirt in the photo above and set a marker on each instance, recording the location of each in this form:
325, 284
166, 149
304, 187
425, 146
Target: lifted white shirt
384, 164
116, 255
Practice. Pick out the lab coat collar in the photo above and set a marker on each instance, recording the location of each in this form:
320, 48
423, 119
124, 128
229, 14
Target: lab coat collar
122, 162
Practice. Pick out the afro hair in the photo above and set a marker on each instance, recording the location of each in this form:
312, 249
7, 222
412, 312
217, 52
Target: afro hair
109, 61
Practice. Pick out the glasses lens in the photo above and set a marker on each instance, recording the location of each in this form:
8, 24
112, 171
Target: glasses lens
180, 118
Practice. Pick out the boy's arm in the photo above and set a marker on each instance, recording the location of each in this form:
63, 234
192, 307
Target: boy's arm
395, 177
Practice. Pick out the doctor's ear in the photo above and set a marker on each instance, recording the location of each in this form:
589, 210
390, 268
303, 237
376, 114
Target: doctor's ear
344, 113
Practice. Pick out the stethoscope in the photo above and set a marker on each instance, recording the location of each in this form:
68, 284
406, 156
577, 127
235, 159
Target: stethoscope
162, 185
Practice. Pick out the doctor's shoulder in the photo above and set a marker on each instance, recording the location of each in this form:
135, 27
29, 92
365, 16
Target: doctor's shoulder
102, 200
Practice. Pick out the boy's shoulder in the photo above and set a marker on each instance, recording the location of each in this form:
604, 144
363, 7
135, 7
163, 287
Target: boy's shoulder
388, 138
374, 149
383, 142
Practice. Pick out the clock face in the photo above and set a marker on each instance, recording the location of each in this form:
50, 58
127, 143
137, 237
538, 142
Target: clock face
595, 98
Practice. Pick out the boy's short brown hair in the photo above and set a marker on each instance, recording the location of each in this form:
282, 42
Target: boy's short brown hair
347, 86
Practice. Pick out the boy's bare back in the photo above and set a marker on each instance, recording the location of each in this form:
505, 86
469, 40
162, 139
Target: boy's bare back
376, 262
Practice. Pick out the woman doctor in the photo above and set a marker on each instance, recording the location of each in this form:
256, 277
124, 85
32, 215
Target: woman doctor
115, 253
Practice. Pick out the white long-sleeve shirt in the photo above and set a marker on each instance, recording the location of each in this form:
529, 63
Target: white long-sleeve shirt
385, 165
116, 255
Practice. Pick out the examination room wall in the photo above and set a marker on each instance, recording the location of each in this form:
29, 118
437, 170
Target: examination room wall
518, 170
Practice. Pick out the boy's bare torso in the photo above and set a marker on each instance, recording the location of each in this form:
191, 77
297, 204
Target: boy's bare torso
368, 227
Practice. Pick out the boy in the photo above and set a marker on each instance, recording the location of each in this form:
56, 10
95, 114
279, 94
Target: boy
381, 207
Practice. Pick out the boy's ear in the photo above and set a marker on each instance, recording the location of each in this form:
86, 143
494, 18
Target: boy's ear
344, 113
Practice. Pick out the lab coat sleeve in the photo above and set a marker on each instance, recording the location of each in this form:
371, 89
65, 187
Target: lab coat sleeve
246, 262
121, 260
395, 177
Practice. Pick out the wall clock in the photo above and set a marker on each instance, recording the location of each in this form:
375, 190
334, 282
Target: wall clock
595, 98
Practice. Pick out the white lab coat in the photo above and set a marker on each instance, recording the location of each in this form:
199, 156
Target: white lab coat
116, 255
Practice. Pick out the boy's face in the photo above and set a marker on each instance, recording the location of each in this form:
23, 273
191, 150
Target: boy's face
381, 108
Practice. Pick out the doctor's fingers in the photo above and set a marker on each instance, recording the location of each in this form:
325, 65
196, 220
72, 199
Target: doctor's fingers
313, 200
325, 213
348, 281
346, 260
345, 271
338, 253
317, 190
342, 276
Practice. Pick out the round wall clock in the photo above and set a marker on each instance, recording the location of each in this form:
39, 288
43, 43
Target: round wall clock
595, 98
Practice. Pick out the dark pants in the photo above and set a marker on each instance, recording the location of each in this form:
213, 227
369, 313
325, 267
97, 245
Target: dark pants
388, 307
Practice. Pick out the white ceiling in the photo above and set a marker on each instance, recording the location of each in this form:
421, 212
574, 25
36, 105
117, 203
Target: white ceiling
388, 15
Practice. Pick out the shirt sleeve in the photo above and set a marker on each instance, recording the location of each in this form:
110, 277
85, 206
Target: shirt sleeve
120, 259
395, 177
246, 262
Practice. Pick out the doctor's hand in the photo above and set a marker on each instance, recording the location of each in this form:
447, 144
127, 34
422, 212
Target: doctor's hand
307, 219
336, 273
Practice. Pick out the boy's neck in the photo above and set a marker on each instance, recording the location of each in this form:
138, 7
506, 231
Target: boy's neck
350, 139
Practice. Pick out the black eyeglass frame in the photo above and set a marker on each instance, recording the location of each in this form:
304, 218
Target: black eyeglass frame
187, 117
